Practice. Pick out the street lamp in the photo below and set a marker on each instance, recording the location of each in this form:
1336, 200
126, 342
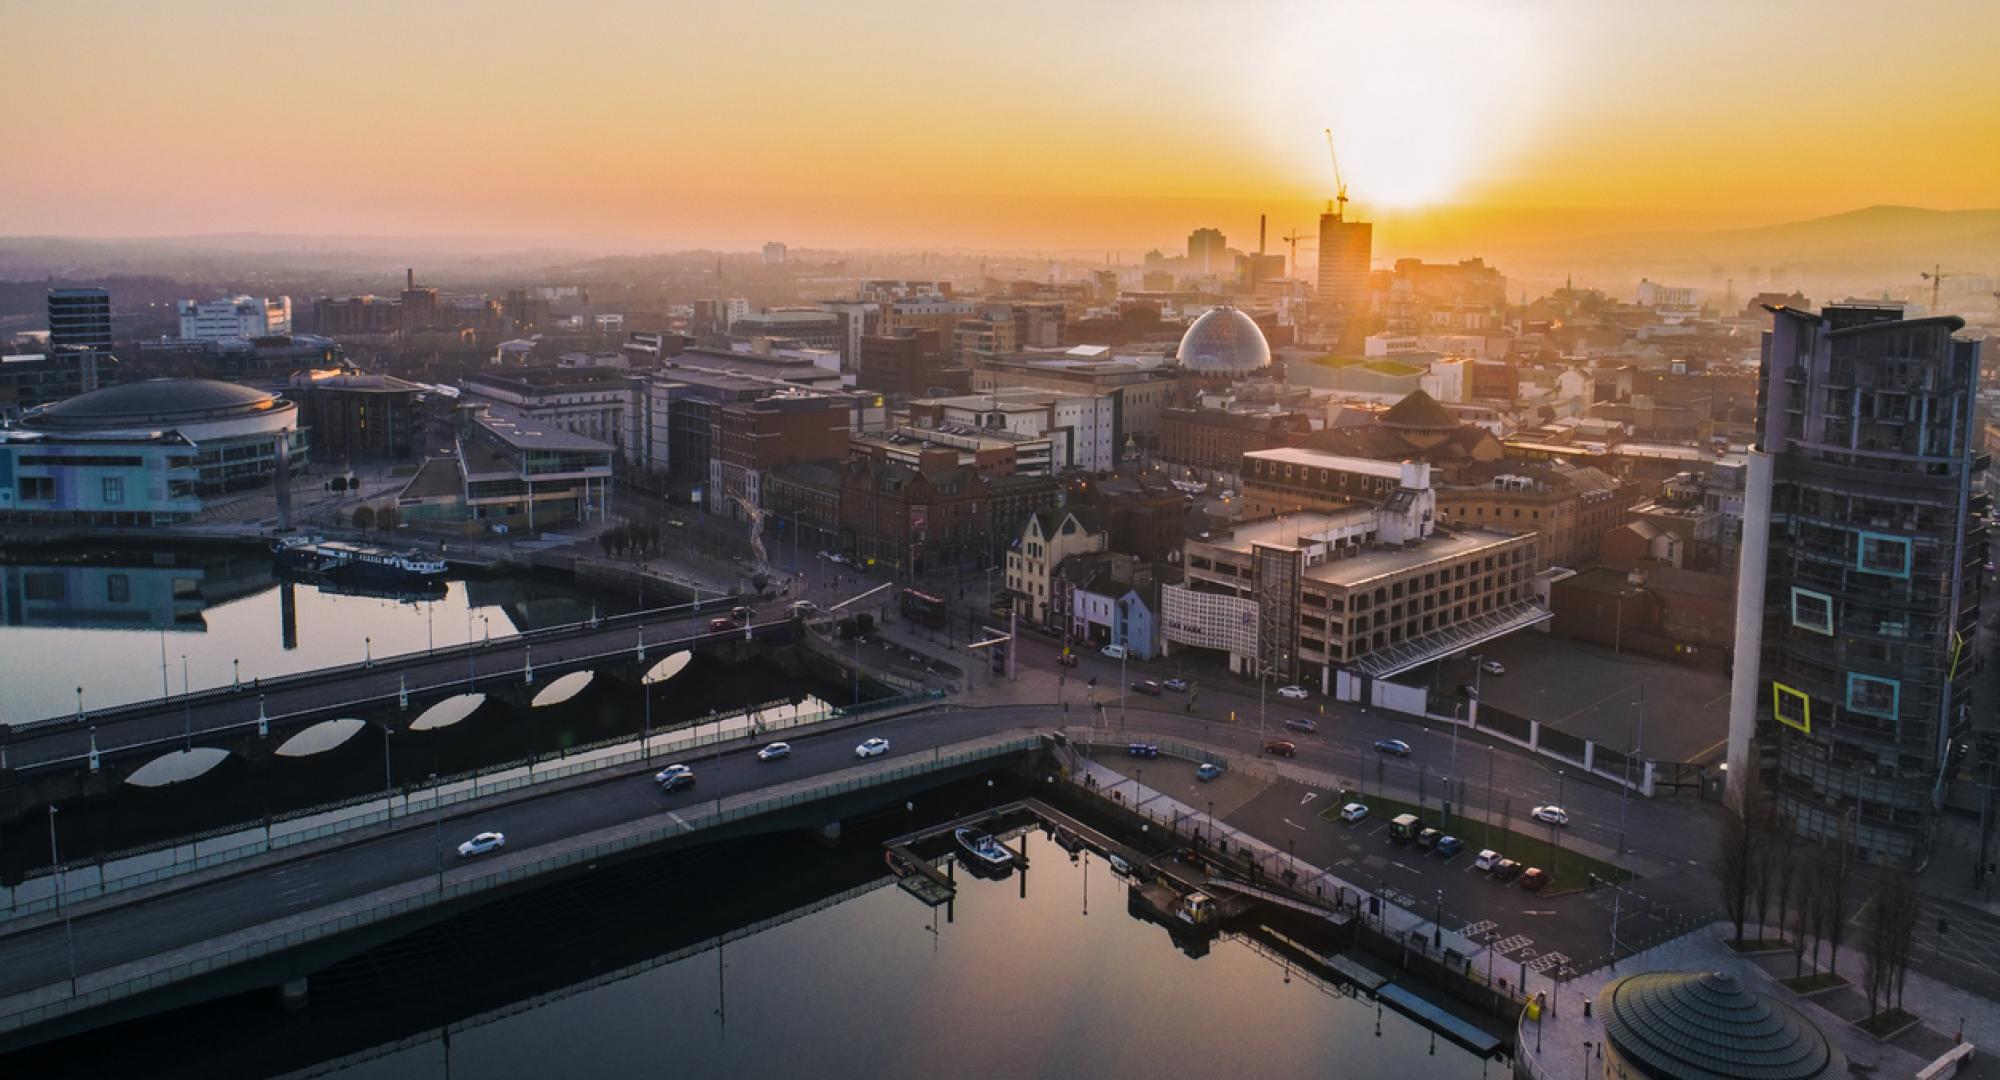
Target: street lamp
1437, 923
437, 804
388, 777
187, 707
62, 899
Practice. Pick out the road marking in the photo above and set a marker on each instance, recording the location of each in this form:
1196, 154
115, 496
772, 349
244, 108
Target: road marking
1538, 913
1310, 796
1295, 824
1400, 866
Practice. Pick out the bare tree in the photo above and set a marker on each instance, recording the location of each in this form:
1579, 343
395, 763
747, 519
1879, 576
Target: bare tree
1780, 862
1801, 925
1834, 891
1736, 851
1888, 941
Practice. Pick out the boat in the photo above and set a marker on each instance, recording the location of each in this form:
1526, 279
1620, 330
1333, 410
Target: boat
346, 561
1119, 864
984, 849
1067, 839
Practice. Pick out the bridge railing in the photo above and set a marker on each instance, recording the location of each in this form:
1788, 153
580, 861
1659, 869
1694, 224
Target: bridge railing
424, 896
40, 892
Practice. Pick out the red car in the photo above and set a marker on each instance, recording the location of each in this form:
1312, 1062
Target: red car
1281, 747
1533, 878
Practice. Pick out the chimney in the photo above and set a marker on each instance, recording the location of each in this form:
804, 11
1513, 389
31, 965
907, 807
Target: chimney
409, 277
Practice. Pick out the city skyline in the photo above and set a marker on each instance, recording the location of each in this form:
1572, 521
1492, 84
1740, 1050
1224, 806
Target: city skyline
1123, 131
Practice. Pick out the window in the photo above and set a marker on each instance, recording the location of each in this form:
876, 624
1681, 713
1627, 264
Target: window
118, 588
1873, 696
37, 489
43, 586
114, 490
1812, 611
1878, 554
1791, 707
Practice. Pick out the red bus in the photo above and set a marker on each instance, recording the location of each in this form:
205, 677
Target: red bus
924, 609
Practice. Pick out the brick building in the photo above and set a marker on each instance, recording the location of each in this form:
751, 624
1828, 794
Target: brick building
1215, 440
748, 438
913, 521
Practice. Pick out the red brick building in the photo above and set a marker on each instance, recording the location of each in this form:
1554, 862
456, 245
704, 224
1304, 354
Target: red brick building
1215, 440
914, 521
747, 439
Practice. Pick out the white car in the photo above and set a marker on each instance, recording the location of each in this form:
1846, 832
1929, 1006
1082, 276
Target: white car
1553, 815
775, 751
481, 844
674, 777
1115, 652
1296, 693
872, 748
1487, 859
1493, 667
1353, 812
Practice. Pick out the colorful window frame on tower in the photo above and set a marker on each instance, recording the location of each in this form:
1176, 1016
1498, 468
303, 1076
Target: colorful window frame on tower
1812, 611
1791, 707
1871, 695
1880, 553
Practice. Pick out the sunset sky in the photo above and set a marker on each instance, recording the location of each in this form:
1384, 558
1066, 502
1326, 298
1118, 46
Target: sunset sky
1029, 126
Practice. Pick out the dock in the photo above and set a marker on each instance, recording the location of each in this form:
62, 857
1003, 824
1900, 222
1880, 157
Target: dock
1437, 1019
918, 877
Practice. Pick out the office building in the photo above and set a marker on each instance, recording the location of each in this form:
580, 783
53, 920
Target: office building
80, 318
810, 327
1207, 251
1859, 581
235, 317
351, 416
510, 471
747, 439
913, 521
1345, 250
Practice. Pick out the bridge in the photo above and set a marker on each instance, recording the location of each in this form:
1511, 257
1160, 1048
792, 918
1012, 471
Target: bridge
275, 918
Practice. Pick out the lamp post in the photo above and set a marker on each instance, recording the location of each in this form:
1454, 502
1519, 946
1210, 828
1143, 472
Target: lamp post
437, 806
1437, 922
367, 652
187, 707
62, 899
388, 777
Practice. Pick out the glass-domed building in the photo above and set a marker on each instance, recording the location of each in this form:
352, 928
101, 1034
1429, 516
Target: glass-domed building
1691, 1025
1224, 343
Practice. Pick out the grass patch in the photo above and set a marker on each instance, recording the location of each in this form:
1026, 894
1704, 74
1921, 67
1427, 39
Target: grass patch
1886, 1023
1568, 870
1812, 984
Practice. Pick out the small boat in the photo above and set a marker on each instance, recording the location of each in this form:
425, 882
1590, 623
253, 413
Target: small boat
1068, 840
898, 865
984, 849
1119, 864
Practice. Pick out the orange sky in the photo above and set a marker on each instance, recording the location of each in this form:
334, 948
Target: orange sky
1024, 126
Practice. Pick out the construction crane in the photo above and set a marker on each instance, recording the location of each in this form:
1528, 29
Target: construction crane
1339, 186
1936, 275
1293, 238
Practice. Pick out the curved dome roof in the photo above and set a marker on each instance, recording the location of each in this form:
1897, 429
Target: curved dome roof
154, 401
1687, 1024
1224, 341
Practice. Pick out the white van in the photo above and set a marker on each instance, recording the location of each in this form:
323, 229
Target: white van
1115, 652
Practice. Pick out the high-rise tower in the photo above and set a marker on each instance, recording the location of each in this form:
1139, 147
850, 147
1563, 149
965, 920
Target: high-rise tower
1345, 248
1857, 595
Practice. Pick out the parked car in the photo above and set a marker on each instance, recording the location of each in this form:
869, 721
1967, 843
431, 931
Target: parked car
674, 778
1302, 723
1115, 652
1147, 686
1281, 747
1207, 770
1393, 746
1143, 749
481, 844
1353, 812
1068, 659
1506, 870
775, 751
1487, 859
1428, 838
720, 624
741, 614
1178, 686
1532, 879
1493, 667
1296, 693
1550, 815
872, 748
1448, 846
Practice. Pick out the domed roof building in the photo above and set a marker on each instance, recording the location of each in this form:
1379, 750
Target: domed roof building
144, 453
1224, 343
1688, 1025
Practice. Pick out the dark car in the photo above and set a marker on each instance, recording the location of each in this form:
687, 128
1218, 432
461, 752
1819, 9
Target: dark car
718, 625
1532, 879
1506, 870
1429, 838
1143, 749
1147, 686
1393, 746
1448, 846
1281, 747
1302, 723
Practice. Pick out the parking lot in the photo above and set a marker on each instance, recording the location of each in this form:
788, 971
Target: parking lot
1594, 693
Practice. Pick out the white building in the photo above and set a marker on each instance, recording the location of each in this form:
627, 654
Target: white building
235, 317
1085, 422
774, 254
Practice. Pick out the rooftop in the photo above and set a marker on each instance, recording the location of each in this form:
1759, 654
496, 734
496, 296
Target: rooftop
1320, 459
1293, 531
527, 433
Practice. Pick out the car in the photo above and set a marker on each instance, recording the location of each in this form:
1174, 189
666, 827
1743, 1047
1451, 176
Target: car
1493, 667
1393, 746
1448, 846
1178, 686
1115, 652
1506, 870
1281, 747
1147, 686
1068, 659
1550, 815
1429, 838
1989, 566
741, 614
720, 624
875, 747
1487, 859
1532, 879
1353, 812
674, 778
1466, 689
775, 751
1295, 693
1143, 749
1302, 723
800, 608
1207, 770
481, 844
